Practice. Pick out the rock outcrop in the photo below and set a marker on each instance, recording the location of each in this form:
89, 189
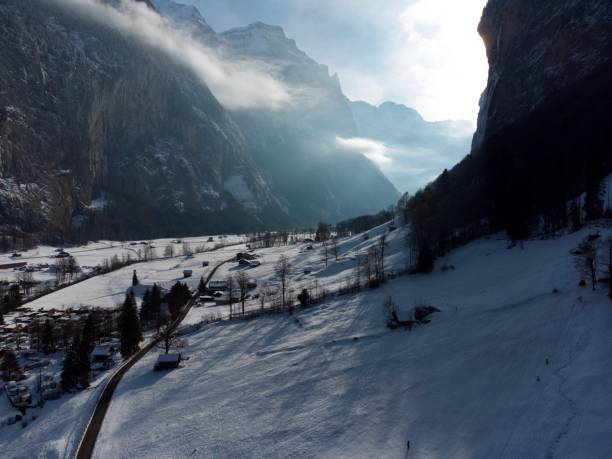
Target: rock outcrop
536, 49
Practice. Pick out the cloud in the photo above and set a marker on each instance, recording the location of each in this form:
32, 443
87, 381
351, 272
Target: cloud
238, 84
374, 150
425, 54
408, 166
430, 57
441, 57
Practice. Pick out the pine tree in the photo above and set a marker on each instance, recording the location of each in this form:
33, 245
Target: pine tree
178, 297
135, 280
575, 215
86, 345
88, 333
593, 201
48, 338
426, 258
145, 309
156, 301
202, 285
129, 327
14, 296
10, 366
70, 370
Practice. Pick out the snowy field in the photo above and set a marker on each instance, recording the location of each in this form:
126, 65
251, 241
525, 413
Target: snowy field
333, 381
109, 290
95, 253
57, 429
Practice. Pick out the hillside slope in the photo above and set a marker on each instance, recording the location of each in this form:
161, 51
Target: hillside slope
333, 381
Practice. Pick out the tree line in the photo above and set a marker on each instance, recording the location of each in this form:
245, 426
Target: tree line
528, 176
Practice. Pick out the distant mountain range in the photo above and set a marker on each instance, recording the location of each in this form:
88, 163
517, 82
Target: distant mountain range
104, 136
417, 151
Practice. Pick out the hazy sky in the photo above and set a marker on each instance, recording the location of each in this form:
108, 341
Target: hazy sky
422, 53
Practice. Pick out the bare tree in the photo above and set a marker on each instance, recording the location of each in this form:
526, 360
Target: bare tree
282, 269
25, 279
367, 268
72, 267
62, 267
263, 295
231, 292
169, 251
187, 249
243, 286
325, 252
167, 335
587, 261
149, 251
334, 243
266, 293
381, 250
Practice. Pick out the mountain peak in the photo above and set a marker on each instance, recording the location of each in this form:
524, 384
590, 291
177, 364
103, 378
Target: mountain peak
187, 16
399, 109
260, 39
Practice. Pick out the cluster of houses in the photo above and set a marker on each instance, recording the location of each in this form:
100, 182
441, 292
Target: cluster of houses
218, 292
34, 336
247, 260
24, 329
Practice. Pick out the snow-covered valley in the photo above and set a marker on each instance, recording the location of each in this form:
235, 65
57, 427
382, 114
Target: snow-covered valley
333, 381
513, 365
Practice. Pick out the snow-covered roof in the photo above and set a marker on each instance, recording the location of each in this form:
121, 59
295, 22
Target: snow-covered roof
102, 351
404, 315
169, 358
217, 283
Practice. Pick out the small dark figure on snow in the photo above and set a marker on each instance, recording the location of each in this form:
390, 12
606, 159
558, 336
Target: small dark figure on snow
547, 361
408, 445
538, 379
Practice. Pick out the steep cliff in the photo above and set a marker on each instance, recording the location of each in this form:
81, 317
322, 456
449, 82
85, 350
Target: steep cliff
97, 131
543, 135
101, 135
536, 49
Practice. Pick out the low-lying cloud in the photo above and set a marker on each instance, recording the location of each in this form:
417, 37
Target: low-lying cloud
238, 84
408, 166
374, 150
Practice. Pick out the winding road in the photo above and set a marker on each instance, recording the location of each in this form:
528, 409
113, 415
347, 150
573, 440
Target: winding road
90, 435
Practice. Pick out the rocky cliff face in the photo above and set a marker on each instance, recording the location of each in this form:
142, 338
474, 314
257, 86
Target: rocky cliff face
95, 128
101, 136
536, 49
